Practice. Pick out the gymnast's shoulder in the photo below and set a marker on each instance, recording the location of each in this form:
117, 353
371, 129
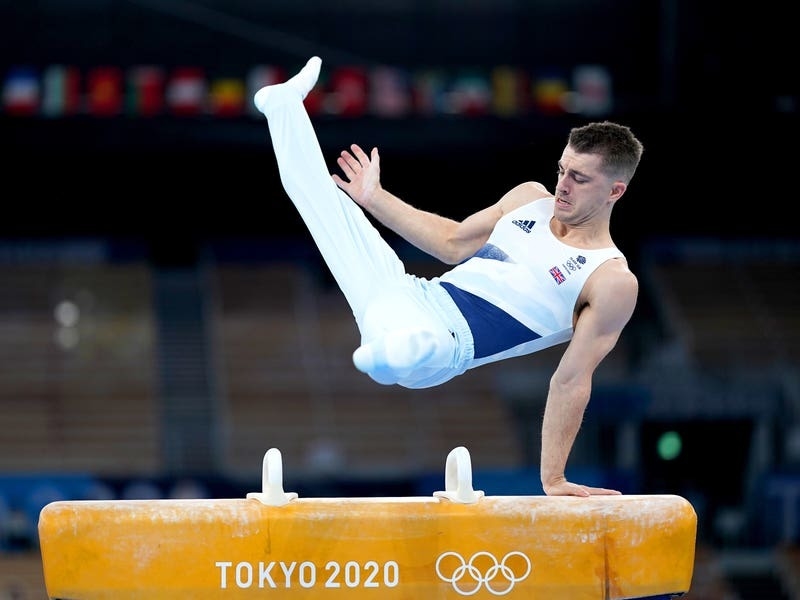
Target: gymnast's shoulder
524, 193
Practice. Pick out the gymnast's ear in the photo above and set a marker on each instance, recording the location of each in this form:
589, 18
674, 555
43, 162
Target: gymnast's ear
617, 190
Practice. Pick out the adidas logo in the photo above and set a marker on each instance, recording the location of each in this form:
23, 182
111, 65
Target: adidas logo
525, 224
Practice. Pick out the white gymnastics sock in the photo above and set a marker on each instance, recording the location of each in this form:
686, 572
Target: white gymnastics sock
398, 351
301, 84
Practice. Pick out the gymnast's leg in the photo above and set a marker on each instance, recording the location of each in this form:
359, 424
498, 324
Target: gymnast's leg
358, 258
398, 333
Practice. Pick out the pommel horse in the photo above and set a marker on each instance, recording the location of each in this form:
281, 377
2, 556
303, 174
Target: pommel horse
455, 544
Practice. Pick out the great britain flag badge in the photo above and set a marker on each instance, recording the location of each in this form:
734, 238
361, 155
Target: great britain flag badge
557, 275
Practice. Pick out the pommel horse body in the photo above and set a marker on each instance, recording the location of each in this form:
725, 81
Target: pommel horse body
457, 543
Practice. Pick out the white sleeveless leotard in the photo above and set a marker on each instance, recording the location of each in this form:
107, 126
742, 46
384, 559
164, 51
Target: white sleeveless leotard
518, 292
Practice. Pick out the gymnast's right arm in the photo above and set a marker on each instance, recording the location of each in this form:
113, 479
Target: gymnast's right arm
445, 239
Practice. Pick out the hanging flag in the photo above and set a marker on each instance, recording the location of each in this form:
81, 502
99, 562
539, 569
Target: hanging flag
61, 91
145, 91
348, 92
592, 84
227, 97
470, 95
510, 91
21, 91
186, 92
104, 91
429, 93
550, 93
390, 92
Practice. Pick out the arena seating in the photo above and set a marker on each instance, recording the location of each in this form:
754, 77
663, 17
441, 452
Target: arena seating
78, 396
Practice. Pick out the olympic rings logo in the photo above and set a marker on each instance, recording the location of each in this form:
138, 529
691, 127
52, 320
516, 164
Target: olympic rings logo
467, 577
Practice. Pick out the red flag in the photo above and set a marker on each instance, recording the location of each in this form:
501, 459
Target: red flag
186, 91
348, 92
104, 89
316, 100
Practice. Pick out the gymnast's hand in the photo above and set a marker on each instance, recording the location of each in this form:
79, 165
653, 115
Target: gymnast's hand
363, 174
562, 487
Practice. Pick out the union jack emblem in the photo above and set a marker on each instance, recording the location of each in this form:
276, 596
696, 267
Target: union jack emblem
557, 275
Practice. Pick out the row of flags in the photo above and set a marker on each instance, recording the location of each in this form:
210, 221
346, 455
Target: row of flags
349, 91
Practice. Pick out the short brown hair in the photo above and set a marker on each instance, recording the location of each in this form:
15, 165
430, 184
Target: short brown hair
620, 149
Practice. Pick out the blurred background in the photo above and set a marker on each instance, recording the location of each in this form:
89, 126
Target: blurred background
165, 319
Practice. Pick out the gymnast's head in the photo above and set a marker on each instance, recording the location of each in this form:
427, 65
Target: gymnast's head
620, 151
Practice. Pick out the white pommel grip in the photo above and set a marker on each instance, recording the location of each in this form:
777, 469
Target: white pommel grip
272, 493
458, 478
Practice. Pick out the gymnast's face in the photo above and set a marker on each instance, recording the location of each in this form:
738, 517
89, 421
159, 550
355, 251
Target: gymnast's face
583, 191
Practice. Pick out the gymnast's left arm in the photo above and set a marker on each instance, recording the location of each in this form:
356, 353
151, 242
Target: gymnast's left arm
609, 301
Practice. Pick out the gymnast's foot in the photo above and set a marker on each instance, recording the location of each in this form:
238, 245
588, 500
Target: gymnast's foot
300, 84
395, 355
